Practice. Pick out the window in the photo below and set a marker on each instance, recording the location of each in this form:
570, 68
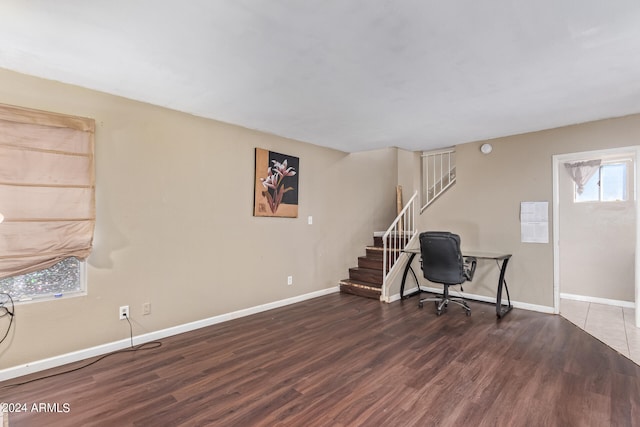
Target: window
47, 199
63, 278
608, 184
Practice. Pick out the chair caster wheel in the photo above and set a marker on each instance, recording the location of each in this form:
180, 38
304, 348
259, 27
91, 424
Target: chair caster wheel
420, 304
438, 313
468, 313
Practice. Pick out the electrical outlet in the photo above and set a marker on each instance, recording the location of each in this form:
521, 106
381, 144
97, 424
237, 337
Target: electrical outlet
124, 312
310, 220
146, 308
290, 280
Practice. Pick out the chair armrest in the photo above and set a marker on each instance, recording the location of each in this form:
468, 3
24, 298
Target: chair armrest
469, 267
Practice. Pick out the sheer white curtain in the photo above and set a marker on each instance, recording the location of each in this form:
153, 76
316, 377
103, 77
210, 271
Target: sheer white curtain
47, 189
581, 172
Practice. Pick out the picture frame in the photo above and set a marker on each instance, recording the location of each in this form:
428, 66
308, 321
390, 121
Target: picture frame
276, 184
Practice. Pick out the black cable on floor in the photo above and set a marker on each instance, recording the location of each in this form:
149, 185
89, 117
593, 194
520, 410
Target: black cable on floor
144, 346
4, 312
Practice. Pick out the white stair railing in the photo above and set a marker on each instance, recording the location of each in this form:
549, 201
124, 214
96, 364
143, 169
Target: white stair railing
396, 238
438, 174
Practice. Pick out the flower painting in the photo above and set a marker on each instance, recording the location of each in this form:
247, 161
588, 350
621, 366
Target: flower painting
276, 185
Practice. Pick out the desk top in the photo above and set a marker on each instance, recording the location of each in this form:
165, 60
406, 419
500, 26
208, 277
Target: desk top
486, 255
476, 254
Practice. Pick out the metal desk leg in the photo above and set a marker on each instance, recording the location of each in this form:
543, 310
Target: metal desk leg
404, 278
501, 309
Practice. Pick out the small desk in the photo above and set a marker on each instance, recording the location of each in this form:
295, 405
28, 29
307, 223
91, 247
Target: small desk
500, 258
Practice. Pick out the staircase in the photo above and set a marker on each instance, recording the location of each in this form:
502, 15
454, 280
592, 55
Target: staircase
367, 278
374, 274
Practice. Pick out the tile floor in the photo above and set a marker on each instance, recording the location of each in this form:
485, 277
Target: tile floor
614, 326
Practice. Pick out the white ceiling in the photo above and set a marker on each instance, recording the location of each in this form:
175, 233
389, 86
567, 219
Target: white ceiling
347, 74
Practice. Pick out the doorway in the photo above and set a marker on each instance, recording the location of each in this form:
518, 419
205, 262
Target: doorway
595, 217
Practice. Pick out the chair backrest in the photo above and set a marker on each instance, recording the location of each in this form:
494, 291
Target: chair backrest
442, 261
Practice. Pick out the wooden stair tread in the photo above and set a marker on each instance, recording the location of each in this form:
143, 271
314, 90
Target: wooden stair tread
361, 288
361, 284
365, 270
381, 249
375, 252
368, 262
366, 274
378, 240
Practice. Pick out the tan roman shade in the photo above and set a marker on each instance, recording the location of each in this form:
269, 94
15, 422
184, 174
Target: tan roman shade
47, 189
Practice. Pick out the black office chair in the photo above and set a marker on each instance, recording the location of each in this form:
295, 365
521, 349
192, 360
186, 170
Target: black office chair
442, 262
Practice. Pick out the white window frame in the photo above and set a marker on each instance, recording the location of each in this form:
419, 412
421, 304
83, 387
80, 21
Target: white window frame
627, 178
47, 296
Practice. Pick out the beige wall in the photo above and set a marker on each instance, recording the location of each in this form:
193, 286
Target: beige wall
408, 173
484, 205
175, 227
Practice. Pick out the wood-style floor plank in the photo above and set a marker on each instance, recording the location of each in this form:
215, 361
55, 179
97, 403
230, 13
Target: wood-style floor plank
343, 360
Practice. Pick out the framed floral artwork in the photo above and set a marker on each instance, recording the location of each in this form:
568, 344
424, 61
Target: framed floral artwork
276, 184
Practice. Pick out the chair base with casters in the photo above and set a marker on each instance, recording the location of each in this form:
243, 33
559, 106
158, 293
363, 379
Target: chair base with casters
442, 302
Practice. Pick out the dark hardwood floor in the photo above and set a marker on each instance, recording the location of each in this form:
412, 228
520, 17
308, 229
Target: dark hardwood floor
343, 360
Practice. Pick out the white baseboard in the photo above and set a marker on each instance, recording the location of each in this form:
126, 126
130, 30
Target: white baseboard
516, 304
52, 362
597, 300
396, 297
